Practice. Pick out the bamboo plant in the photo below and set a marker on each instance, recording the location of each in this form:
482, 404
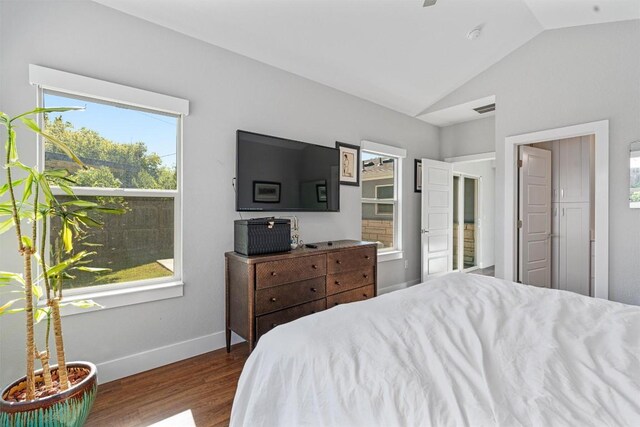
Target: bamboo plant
29, 216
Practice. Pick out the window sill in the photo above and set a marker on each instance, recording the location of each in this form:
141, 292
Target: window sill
122, 297
390, 256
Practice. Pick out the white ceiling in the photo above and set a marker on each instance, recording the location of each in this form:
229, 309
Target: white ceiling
459, 113
392, 52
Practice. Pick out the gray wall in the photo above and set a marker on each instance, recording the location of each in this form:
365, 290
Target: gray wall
474, 137
565, 77
227, 92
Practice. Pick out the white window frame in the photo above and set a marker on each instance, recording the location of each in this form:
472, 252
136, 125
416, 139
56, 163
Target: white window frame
391, 201
126, 293
399, 154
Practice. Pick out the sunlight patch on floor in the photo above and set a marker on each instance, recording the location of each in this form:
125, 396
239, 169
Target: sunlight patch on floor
183, 419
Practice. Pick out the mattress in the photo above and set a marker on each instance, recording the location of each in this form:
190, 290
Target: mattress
458, 350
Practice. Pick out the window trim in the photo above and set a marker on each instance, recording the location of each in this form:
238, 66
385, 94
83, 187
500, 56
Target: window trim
399, 154
125, 293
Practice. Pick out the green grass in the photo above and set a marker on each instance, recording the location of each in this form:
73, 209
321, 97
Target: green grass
141, 272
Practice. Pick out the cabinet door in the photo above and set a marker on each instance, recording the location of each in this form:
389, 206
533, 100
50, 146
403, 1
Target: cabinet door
555, 171
574, 248
573, 173
555, 245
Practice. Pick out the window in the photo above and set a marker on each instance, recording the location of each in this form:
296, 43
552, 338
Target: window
132, 154
381, 197
123, 148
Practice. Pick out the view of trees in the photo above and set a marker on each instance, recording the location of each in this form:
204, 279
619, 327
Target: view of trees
111, 164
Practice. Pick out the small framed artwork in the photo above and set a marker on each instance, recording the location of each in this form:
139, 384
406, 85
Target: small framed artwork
266, 192
349, 163
417, 176
321, 192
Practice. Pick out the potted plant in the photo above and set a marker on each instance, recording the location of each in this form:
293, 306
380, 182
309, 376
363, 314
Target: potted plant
61, 394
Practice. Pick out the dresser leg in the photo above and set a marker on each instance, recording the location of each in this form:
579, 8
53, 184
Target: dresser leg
228, 333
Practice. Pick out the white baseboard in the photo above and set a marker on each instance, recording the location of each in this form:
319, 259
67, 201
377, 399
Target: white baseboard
398, 286
112, 370
135, 363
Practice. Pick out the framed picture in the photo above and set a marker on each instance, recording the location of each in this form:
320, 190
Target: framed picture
321, 192
417, 176
349, 163
266, 192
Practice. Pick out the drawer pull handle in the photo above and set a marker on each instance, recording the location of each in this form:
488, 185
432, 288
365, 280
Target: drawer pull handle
366, 276
273, 299
364, 295
314, 290
338, 261
315, 267
313, 312
273, 325
367, 257
335, 303
337, 283
273, 273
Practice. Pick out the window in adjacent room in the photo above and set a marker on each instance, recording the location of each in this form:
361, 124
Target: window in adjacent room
132, 162
381, 196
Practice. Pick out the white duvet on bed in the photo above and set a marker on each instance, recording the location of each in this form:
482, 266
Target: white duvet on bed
458, 350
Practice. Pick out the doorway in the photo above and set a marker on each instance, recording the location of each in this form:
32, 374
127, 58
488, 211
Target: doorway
466, 222
443, 185
600, 132
556, 228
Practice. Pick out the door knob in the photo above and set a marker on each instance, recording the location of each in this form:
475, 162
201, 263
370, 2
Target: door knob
424, 231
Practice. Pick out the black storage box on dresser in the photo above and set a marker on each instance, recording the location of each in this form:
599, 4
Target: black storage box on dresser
262, 236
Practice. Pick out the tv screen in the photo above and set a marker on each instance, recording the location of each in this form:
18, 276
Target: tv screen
278, 174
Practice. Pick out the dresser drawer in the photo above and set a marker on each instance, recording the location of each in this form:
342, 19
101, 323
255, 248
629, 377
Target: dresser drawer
353, 295
351, 259
274, 273
269, 321
340, 282
283, 296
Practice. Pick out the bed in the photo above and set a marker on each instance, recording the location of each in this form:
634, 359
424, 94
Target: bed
458, 350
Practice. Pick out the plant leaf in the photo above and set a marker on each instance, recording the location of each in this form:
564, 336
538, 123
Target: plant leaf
67, 236
80, 203
8, 276
61, 145
26, 241
85, 303
92, 269
15, 183
6, 225
41, 314
5, 308
37, 291
47, 110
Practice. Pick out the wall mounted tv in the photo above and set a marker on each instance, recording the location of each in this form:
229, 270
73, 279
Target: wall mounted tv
278, 174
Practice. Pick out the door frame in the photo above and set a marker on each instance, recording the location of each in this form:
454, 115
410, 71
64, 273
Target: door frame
600, 131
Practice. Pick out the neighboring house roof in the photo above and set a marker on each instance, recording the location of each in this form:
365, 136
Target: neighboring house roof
375, 169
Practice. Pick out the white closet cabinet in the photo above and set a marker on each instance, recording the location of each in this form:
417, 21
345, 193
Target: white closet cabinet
572, 245
570, 180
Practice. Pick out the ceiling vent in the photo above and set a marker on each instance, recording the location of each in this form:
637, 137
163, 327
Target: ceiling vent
486, 108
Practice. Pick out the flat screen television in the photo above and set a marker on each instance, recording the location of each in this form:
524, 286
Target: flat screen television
277, 174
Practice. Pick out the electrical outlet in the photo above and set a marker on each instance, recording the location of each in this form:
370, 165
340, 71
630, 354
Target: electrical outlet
406, 263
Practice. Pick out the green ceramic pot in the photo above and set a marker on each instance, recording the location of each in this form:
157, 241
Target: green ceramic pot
69, 408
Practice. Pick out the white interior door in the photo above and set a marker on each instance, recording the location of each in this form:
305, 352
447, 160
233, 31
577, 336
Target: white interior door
437, 218
535, 217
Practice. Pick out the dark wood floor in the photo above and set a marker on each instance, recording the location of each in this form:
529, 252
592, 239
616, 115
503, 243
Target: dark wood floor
204, 384
489, 271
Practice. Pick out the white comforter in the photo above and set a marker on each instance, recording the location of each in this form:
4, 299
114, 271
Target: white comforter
459, 350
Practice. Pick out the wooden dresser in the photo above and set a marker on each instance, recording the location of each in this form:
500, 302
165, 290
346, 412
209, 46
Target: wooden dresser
265, 291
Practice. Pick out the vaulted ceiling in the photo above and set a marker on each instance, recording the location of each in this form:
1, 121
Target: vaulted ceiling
392, 52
